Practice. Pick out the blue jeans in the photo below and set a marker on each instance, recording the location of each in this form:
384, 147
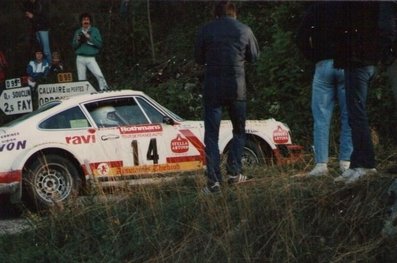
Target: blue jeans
329, 87
212, 120
357, 82
44, 41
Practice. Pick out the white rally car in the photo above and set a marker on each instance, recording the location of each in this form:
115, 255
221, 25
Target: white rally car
49, 155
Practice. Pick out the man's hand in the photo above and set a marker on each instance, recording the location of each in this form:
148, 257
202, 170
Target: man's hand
29, 14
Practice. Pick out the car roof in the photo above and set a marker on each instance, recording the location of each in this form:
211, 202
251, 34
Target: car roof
73, 100
69, 102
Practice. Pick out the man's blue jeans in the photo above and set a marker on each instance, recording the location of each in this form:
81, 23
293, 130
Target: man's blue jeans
357, 82
44, 41
329, 87
212, 120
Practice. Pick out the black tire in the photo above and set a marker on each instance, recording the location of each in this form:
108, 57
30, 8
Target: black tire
252, 154
49, 180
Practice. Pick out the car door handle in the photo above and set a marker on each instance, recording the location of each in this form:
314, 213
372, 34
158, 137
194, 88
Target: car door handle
109, 137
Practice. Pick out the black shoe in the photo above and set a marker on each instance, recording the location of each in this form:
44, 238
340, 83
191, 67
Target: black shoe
213, 188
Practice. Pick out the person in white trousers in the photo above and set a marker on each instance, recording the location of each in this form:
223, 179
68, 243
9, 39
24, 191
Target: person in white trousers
87, 42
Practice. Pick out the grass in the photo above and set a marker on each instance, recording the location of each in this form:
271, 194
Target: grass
277, 218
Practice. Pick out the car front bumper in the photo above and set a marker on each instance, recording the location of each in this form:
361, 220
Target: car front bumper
9, 188
288, 153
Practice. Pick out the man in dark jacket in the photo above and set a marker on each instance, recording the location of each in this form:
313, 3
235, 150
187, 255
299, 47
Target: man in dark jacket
358, 50
223, 46
37, 12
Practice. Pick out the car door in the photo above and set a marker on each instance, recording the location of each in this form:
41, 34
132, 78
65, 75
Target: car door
94, 146
136, 142
180, 145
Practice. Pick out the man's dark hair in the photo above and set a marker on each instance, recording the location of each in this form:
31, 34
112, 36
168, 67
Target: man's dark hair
83, 15
225, 8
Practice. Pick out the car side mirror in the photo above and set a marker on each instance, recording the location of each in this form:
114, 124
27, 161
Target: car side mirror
168, 120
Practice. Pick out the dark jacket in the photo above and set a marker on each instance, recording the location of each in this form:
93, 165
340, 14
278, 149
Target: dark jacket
223, 46
314, 38
40, 11
357, 34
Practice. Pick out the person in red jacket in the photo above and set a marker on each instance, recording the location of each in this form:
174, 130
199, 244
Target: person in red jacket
3, 69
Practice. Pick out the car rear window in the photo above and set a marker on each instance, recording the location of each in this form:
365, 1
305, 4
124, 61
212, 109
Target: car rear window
69, 119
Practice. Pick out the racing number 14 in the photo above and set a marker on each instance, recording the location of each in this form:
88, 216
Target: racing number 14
151, 155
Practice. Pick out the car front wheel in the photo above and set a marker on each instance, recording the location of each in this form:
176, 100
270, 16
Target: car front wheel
49, 180
252, 154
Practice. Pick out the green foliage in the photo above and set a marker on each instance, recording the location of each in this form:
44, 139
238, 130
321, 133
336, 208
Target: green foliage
279, 84
282, 79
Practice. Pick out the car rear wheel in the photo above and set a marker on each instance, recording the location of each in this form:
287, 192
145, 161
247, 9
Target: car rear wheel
50, 180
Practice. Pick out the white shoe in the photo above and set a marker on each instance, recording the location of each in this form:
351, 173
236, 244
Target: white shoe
343, 165
360, 172
345, 175
237, 179
319, 170
352, 175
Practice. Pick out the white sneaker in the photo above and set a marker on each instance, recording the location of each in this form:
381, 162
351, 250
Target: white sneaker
214, 188
319, 170
352, 175
345, 175
343, 165
237, 179
360, 172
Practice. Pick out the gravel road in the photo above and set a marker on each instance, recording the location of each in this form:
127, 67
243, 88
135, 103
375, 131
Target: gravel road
13, 225
11, 220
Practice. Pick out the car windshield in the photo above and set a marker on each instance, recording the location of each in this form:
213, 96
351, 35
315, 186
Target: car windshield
31, 114
164, 109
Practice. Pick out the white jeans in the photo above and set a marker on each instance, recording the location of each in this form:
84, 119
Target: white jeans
82, 63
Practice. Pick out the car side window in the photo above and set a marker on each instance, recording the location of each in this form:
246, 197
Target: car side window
154, 115
116, 112
68, 119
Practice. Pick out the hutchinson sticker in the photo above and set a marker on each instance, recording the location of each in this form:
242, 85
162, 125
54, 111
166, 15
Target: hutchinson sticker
280, 135
106, 168
179, 145
103, 169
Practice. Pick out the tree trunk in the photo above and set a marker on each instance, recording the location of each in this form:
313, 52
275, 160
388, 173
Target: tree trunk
150, 31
